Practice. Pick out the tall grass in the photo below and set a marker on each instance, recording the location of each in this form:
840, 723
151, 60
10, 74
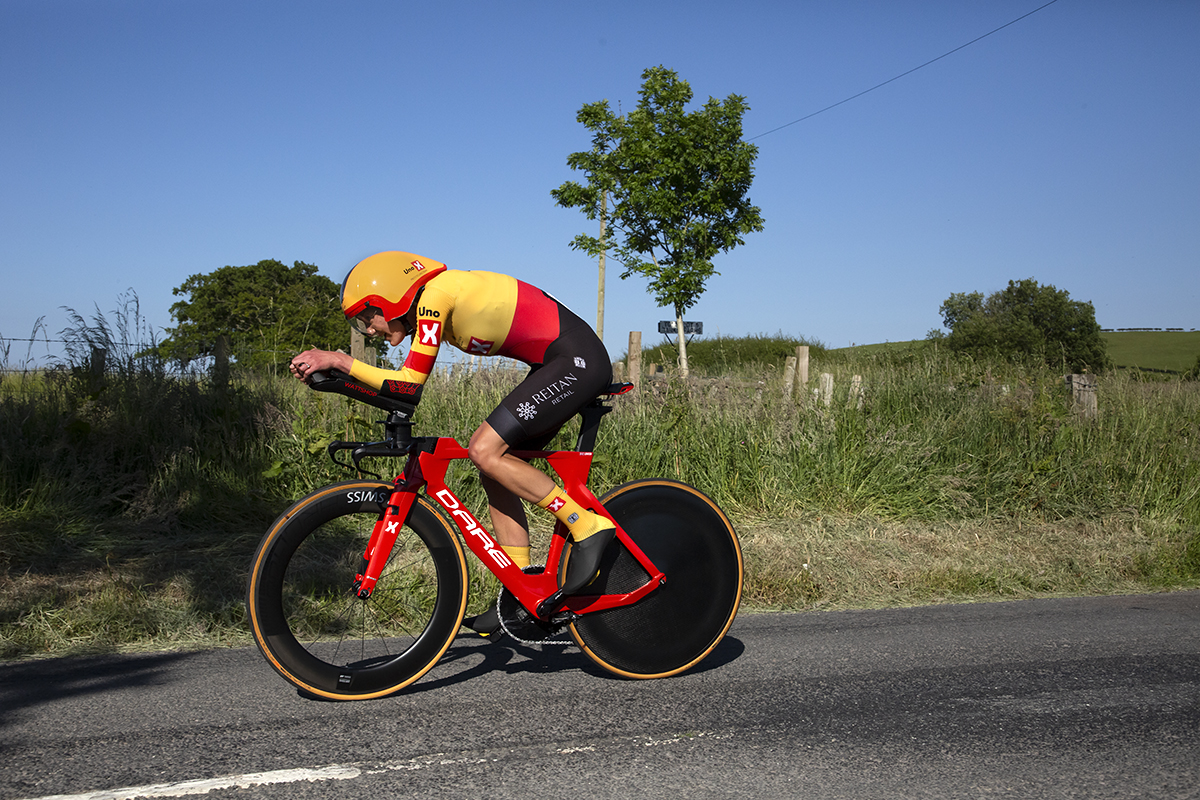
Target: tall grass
936, 438
722, 355
131, 501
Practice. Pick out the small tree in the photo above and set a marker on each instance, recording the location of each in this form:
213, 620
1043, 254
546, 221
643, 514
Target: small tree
678, 182
1026, 319
267, 311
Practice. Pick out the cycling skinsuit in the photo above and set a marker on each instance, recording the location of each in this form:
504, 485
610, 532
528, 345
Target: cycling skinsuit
488, 314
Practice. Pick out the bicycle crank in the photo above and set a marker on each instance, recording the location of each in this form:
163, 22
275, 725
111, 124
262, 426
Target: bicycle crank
524, 626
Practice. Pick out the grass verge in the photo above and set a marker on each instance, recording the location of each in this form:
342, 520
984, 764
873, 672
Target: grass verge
132, 501
792, 564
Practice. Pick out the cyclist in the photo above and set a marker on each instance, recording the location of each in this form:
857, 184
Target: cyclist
394, 295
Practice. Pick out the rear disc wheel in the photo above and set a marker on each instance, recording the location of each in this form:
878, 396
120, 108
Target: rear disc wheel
691, 541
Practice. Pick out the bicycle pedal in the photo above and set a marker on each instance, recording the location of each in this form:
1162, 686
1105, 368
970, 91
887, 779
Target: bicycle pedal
524, 627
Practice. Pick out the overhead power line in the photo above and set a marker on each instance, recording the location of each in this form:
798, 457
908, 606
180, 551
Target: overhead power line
902, 74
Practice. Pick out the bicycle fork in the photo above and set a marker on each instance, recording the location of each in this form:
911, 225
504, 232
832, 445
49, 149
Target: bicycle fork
387, 528
383, 539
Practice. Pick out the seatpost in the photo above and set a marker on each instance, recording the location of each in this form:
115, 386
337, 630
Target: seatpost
591, 414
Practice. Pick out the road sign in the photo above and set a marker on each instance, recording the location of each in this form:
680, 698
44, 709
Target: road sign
689, 328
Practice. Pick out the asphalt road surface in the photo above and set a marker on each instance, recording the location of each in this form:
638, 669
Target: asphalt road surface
1088, 698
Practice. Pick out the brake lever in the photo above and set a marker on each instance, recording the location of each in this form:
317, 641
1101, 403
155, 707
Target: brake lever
370, 449
356, 455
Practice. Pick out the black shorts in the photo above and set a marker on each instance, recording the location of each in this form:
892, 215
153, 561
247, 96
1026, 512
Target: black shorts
575, 370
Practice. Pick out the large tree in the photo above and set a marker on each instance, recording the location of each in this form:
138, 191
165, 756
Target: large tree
267, 312
677, 181
1026, 319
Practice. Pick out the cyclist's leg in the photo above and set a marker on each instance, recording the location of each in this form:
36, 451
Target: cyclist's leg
510, 526
575, 371
509, 523
507, 473
591, 532
511, 529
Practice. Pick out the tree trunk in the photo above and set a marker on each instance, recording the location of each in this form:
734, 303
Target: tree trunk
683, 363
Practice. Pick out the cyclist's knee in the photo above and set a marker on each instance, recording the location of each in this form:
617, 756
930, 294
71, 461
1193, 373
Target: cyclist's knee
486, 448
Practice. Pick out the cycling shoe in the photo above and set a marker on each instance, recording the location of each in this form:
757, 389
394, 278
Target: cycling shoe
486, 624
584, 565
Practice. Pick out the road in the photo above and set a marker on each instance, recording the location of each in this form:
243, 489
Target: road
1062, 698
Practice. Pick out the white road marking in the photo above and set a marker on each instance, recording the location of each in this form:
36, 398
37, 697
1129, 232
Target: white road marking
337, 772
341, 772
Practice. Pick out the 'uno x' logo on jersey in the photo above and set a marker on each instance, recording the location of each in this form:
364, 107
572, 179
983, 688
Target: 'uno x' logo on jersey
479, 347
431, 331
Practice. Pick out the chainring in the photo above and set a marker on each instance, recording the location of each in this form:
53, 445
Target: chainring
524, 626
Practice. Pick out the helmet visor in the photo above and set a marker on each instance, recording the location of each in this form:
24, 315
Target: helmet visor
365, 318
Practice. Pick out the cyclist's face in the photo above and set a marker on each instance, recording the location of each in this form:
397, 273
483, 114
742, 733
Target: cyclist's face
372, 323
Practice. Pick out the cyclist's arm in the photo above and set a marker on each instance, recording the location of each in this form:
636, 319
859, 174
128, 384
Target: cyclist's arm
403, 383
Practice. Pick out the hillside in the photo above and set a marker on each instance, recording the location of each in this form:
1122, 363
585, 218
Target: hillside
1166, 351
1172, 351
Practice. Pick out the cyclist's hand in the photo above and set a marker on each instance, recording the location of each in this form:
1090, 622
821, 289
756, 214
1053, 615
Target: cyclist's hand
310, 361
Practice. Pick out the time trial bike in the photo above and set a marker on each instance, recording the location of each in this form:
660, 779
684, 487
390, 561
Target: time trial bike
359, 588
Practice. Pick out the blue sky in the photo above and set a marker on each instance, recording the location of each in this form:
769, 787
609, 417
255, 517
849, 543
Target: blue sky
144, 141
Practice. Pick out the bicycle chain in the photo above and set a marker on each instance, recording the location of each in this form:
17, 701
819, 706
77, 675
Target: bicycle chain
515, 619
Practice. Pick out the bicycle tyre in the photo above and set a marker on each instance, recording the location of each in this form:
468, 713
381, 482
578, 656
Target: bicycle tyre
672, 629
309, 624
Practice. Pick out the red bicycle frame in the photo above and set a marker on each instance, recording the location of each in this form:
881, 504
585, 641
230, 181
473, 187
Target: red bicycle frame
426, 468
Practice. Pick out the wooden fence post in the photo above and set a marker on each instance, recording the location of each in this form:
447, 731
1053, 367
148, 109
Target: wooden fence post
802, 364
789, 376
635, 358
358, 345
96, 369
826, 388
220, 367
856, 393
1083, 395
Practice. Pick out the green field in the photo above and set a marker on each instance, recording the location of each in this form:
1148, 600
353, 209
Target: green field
1159, 351
1172, 351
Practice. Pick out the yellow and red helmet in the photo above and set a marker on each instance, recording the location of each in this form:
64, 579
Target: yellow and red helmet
388, 281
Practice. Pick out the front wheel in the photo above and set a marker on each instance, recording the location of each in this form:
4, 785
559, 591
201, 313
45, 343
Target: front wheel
685, 535
312, 627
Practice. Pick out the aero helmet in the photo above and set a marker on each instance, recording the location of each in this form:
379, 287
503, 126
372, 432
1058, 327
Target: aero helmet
388, 281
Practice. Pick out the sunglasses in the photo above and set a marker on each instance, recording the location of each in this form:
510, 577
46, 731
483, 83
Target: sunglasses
364, 319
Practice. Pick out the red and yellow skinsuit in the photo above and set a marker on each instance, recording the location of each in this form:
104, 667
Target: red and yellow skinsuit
480, 313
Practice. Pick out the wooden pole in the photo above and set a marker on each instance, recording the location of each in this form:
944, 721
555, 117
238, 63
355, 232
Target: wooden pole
96, 369
802, 364
1083, 395
856, 395
220, 369
789, 376
826, 384
600, 291
635, 358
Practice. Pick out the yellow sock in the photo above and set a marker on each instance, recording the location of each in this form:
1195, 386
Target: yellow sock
519, 555
581, 522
